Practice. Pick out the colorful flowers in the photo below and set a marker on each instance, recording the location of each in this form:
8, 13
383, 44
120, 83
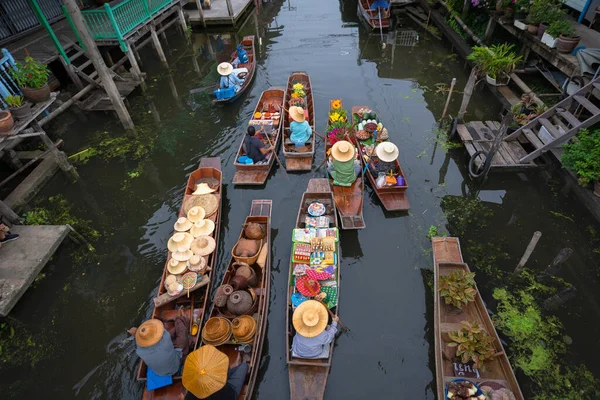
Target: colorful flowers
294, 95
298, 86
336, 104
334, 117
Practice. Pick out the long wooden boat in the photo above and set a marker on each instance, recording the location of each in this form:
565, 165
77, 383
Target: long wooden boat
248, 45
299, 160
393, 198
308, 377
260, 213
256, 174
348, 199
194, 306
373, 17
447, 257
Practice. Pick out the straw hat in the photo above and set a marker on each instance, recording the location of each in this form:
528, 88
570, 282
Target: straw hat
209, 202
180, 240
176, 267
182, 255
183, 224
297, 114
203, 245
196, 214
216, 331
170, 279
204, 227
342, 151
149, 333
387, 151
203, 188
225, 69
197, 264
205, 371
310, 318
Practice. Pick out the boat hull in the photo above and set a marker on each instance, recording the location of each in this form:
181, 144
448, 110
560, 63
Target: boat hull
371, 17
248, 43
299, 161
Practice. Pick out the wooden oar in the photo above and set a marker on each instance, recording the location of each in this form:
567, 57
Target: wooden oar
275, 154
202, 89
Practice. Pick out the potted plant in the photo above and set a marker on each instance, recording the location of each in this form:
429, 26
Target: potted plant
19, 109
582, 156
472, 343
521, 10
496, 61
457, 289
6, 122
32, 78
550, 37
564, 32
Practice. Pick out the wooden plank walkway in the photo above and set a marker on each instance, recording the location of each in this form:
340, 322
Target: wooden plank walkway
39, 45
479, 136
22, 260
218, 13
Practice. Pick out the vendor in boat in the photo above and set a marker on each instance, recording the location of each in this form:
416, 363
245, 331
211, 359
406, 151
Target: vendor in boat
206, 375
254, 147
313, 336
343, 165
300, 130
162, 350
228, 78
384, 160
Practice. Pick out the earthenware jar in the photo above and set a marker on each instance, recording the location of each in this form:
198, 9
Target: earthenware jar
239, 302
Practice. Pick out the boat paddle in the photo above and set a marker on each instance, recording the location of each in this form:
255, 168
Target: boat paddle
320, 298
202, 89
275, 154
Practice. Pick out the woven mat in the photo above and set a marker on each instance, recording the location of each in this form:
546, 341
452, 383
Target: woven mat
210, 203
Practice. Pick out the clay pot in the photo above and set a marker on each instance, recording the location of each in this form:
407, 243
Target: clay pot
239, 282
6, 122
566, 44
239, 302
21, 113
36, 95
532, 29
222, 294
247, 247
541, 29
246, 271
254, 231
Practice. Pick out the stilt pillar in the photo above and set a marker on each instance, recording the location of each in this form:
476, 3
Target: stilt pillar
158, 47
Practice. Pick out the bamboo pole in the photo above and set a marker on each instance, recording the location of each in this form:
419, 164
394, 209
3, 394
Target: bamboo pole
468, 92
448, 99
463, 25
530, 247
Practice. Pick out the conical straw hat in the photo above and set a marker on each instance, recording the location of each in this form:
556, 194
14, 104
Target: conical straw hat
342, 151
297, 114
203, 188
176, 267
183, 224
180, 240
203, 245
204, 227
387, 151
196, 214
205, 371
182, 255
149, 333
210, 203
225, 69
310, 318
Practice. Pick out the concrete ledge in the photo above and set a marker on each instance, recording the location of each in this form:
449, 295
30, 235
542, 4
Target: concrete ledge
32, 184
22, 260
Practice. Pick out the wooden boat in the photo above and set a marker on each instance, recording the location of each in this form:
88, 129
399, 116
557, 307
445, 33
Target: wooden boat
393, 198
373, 17
194, 306
299, 160
308, 377
256, 174
447, 257
260, 213
349, 200
248, 45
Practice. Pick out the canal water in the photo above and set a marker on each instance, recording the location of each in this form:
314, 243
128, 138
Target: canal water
71, 325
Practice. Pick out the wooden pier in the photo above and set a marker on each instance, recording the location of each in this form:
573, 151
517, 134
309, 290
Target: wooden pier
221, 12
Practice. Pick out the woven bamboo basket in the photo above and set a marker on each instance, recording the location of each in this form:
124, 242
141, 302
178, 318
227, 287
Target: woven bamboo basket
248, 260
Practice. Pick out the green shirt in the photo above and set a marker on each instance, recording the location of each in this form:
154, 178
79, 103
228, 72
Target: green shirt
343, 172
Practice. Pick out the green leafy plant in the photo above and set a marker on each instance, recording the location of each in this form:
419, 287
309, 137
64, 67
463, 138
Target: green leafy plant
496, 60
582, 155
562, 27
472, 343
458, 288
545, 11
14, 101
30, 74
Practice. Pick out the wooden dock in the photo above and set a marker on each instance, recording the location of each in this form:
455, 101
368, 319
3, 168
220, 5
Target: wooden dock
23, 259
479, 136
219, 13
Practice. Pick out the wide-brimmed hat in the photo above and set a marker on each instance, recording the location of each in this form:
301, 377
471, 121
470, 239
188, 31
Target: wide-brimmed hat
210, 203
180, 240
149, 333
310, 318
182, 255
387, 151
183, 224
205, 371
204, 227
297, 114
225, 69
342, 151
308, 286
197, 264
203, 188
176, 267
203, 245
196, 214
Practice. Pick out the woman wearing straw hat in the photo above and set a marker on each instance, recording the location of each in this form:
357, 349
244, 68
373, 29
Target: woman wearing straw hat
385, 159
300, 130
228, 78
206, 375
313, 336
343, 165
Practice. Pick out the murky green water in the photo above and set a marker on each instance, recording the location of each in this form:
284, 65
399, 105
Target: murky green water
72, 324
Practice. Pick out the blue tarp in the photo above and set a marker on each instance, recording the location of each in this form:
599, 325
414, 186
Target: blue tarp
379, 3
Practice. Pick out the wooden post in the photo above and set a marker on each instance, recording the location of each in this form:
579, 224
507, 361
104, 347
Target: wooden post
96, 57
200, 13
530, 247
158, 47
468, 92
8, 214
489, 30
448, 99
60, 157
182, 20
135, 68
230, 11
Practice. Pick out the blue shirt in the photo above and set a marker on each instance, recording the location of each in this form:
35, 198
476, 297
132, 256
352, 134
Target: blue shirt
252, 146
162, 357
231, 80
305, 347
300, 132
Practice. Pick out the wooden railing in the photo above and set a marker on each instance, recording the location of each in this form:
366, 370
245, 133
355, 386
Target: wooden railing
115, 22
